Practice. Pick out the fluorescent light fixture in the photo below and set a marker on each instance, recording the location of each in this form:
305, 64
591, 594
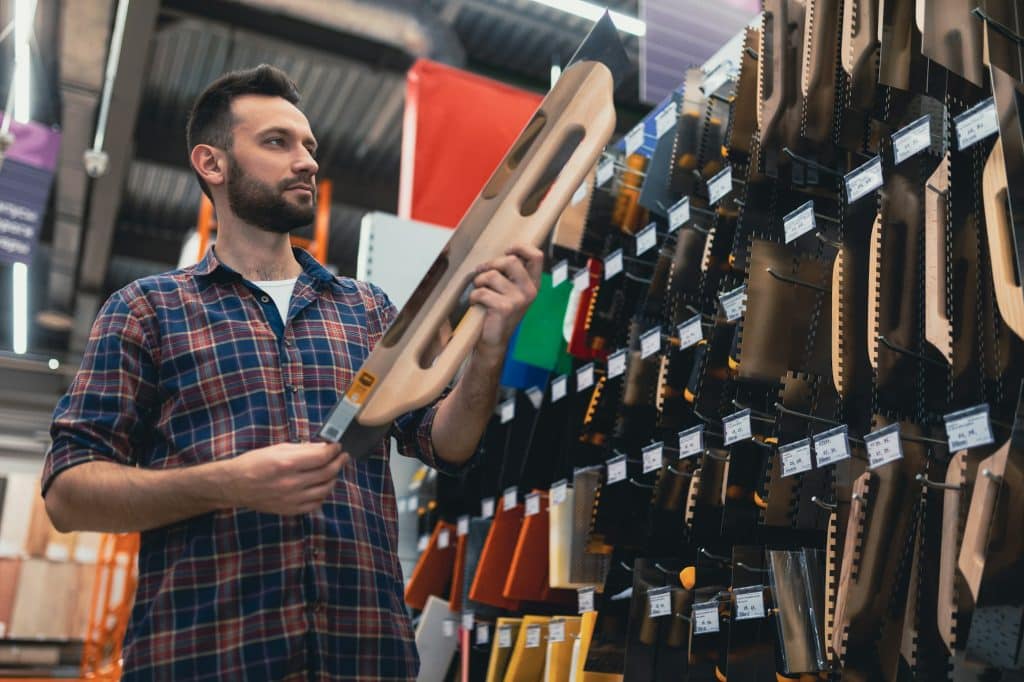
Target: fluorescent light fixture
24, 16
20, 308
589, 10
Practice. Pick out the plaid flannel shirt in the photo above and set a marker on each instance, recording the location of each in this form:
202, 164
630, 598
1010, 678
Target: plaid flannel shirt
194, 366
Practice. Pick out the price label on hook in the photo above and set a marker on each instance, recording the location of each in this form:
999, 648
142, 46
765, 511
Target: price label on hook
652, 455
719, 185
444, 539
749, 602
912, 139
646, 239
558, 387
734, 303
832, 446
505, 637
532, 636
616, 469
705, 618
679, 214
691, 441
559, 273
799, 222
585, 599
581, 280
883, 446
508, 410
977, 123
448, 627
864, 180
650, 342
659, 600
612, 264
556, 631
796, 457
559, 492
510, 499
532, 504
665, 120
690, 332
617, 364
968, 428
736, 427
585, 377
483, 634
467, 621
462, 526
487, 507
635, 138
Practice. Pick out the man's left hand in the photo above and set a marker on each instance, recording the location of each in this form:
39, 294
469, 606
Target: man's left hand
506, 287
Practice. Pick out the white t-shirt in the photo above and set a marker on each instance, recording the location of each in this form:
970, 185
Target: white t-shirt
281, 291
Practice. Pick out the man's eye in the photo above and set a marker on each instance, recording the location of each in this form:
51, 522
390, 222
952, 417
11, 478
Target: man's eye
275, 140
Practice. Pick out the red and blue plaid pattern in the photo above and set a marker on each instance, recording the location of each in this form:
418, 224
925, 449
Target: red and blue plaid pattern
194, 366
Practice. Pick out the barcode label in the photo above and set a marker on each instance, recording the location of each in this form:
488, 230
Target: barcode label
650, 342
968, 428
977, 123
617, 364
796, 457
734, 303
864, 180
884, 446
691, 441
832, 446
912, 139
720, 185
749, 602
559, 273
653, 457
799, 222
585, 377
558, 387
690, 332
737, 427
679, 214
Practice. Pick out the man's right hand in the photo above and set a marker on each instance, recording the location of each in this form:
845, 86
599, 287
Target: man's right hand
286, 479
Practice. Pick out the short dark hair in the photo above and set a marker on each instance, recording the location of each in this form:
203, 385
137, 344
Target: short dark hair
210, 121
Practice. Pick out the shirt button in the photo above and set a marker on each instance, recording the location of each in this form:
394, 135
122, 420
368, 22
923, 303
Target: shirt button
264, 299
293, 389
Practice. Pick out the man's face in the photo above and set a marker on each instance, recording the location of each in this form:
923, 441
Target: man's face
271, 179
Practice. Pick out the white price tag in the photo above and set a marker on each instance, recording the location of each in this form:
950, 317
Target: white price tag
691, 441
467, 621
556, 631
605, 170
864, 180
585, 377
462, 527
968, 428
650, 342
719, 185
483, 634
832, 446
487, 507
532, 636
533, 504
617, 364
705, 618
508, 410
796, 457
690, 332
660, 601
581, 280
505, 637
559, 492
749, 602
509, 499
559, 273
912, 139
665, 120
977, 123
403, 505
799, 222
616, 469
558, 386
652, 457
679, 214
423, 543
448, 627
414, 503
736, 427
635, 138
612, 264
585, 599
646, 239
884, 446
536, 396
734, 303
444, 539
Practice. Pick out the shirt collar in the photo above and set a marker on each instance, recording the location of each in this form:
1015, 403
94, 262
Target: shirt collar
211, 267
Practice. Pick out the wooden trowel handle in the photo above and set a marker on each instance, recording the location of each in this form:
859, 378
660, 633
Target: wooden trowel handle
1009, 295
519, 204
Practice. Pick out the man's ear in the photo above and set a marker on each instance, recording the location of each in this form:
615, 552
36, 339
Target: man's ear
210, 163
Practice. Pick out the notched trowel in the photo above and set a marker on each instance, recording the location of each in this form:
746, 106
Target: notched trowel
520, 203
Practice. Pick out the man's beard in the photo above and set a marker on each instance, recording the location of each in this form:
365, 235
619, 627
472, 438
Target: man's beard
265, 207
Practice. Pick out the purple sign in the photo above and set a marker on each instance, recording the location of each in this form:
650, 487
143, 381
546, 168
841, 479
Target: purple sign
707, 26
26, 175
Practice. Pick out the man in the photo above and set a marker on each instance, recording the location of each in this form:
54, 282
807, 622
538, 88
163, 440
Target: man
264, 555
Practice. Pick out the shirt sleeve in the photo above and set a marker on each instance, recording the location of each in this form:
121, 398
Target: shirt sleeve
106, 413
413, 429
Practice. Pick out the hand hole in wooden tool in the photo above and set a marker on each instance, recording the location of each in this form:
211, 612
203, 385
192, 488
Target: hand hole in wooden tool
501, 176
573, 136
